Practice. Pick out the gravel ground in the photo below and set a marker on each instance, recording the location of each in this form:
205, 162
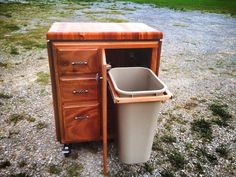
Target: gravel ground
198, 64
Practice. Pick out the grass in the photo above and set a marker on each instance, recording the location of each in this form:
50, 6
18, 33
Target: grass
223, 114
74, 7
15, 118
168, 139
26, 24
41, 125
188, 146
148, 167
203, 128
74, 170
14, 50
128, 9
190, 105
198, 167
30, 119
176, 159
5, 96
180, 25
22, 163
210, 157
108, 19
223, 151
215, 6
42, 78
53, 169
157, 146
167, 173
104, 12
12, 27
3, 64
6, 64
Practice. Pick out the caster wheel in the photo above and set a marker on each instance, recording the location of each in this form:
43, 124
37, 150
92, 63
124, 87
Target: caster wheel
66, 150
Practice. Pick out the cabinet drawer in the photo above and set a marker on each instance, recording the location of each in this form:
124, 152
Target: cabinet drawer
77, 61
82, 123
84, 89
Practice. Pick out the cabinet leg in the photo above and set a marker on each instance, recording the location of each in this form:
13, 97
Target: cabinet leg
66, 150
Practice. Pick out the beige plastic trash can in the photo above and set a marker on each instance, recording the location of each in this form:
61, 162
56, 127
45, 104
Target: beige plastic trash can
138, 93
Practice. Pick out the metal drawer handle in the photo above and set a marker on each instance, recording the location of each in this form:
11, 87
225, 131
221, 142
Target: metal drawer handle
79, 62
81, 117
81, 91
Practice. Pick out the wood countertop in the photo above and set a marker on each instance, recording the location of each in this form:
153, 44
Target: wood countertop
102, 31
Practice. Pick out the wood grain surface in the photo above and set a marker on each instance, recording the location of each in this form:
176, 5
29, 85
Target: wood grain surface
81, 123
77, 61
79, 90
102, 31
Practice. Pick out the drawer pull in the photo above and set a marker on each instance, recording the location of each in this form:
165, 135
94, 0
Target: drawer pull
79, 62
81, 91
81, 117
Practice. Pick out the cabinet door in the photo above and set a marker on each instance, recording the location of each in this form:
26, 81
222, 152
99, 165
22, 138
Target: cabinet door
81, 123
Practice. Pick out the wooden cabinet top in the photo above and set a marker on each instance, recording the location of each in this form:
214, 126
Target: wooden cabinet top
102, 31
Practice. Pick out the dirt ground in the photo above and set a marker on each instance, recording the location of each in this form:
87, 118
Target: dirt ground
195, 130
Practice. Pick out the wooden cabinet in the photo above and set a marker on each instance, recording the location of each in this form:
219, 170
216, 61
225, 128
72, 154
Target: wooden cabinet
78, 57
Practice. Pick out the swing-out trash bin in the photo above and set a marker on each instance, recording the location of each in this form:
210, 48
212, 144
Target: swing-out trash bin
138, 93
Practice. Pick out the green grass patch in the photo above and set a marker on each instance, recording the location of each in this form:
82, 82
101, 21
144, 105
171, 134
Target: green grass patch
223, 151
53, 169
167, 173
114, 12
188, 146
22, 163
203, 128
30, 119
210, 157
15, 118
5, 96
168, 139
11, 27
148, 167
198, 167
180, 25
14, 50
176, 159
3, 64
128, 9
107, 19
223, 114
41, 125
157, 146
74, 170
215, 6
27, 23
74, 7
42, 78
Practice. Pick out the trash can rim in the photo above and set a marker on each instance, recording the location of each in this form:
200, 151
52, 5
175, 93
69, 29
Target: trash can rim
136, 93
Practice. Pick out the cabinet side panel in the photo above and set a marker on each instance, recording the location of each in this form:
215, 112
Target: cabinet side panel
54, 91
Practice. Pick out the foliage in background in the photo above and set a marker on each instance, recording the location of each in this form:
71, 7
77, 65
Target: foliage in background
216, 6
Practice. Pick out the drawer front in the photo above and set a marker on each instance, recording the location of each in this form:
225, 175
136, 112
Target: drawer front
79, 90
77, 61
82, 123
